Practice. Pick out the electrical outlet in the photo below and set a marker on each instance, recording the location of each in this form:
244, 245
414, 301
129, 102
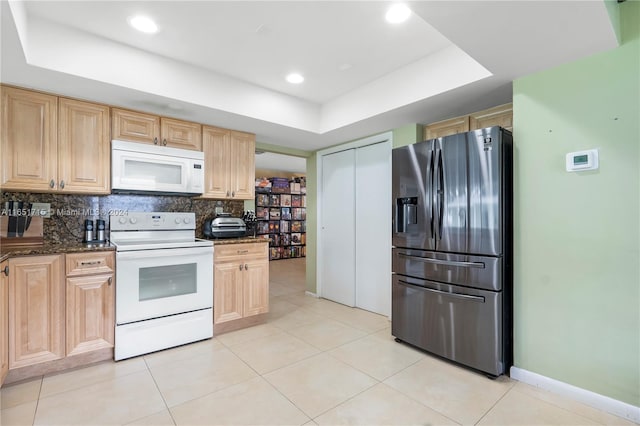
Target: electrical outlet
41, 209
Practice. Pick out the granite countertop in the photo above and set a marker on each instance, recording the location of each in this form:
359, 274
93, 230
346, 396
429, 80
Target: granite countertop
67, 247
242, 240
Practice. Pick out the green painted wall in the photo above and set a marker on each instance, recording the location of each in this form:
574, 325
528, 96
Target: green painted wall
577, 235
406, 135
312, 222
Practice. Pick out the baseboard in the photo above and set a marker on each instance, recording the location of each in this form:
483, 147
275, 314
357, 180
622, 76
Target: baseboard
308, 293
592, 399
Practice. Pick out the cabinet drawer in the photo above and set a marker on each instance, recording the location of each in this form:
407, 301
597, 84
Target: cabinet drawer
240, 251
90, 263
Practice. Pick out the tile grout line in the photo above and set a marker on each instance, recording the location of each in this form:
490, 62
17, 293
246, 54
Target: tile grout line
159, 391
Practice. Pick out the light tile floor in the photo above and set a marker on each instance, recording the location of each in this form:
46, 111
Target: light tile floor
313, 362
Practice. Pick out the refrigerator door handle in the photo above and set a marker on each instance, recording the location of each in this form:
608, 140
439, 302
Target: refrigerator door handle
445, 262
433, 213
440, 194
446, 293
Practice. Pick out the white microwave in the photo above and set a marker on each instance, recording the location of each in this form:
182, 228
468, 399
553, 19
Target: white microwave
145, 168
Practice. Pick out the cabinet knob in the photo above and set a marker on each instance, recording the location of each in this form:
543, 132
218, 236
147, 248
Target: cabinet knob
233, 193
155, 141
6, 270
241, 266
110, 280
61, 184
228, 193
246, 267
52, 183
164, 142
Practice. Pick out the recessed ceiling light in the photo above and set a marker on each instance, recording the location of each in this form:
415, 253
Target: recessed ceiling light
398, 13
143, 24
295, 78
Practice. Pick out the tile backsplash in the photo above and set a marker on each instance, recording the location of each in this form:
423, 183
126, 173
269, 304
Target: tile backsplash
69, 211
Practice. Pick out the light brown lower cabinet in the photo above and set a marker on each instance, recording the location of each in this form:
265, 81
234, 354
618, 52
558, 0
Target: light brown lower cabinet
4, 320
241, 281
54, 308
36, 310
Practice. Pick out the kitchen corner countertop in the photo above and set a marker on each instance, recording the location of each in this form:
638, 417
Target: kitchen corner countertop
223, 241
72, 247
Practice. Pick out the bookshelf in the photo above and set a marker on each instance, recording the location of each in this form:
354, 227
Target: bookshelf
281, 218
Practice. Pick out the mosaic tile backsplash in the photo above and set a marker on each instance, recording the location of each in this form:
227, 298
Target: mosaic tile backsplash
69, 211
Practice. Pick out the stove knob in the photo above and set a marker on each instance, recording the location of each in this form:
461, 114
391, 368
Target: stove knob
187, 220
122, 220
133, 220
177, 220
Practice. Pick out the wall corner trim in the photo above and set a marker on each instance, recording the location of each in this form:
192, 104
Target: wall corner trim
592, 399
308, 293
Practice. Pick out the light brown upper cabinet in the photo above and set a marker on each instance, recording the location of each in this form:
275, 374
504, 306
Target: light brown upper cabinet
502, 116
29, 140
446, 127
229, 158
52, 144
146, 128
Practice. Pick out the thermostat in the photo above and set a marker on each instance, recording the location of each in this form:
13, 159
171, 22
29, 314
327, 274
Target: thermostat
582, 160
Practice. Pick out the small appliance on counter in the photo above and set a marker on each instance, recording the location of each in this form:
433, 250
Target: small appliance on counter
224, 226
94, 234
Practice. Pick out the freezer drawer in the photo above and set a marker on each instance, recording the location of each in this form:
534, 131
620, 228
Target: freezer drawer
461, 324
470, 271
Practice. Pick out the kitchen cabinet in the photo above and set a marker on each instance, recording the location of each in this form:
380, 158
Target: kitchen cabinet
146, 128
90, 303
4, 320
29, 140
241, 281
229, 158
36, 310
502, 116
446, 127
52, 144
84, 150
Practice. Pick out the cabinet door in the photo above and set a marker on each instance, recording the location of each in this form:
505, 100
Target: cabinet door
446, 127
90, 313
4, 322
501, 115
36, 310
28, 140
243, 170
181, 134
256, 286
135, 126
83, 147
227, 292
216, 147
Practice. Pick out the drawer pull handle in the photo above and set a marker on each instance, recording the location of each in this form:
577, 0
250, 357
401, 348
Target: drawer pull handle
243, 251
93, 262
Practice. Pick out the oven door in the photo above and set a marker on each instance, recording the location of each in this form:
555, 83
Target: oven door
157, 283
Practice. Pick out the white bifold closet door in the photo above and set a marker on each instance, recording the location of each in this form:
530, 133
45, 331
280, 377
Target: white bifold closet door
338, 230
373, 228
356, 227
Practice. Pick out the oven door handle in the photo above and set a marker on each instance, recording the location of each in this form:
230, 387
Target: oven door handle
167, 252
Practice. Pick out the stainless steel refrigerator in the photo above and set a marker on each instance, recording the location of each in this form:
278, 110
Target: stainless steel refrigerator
452, 248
